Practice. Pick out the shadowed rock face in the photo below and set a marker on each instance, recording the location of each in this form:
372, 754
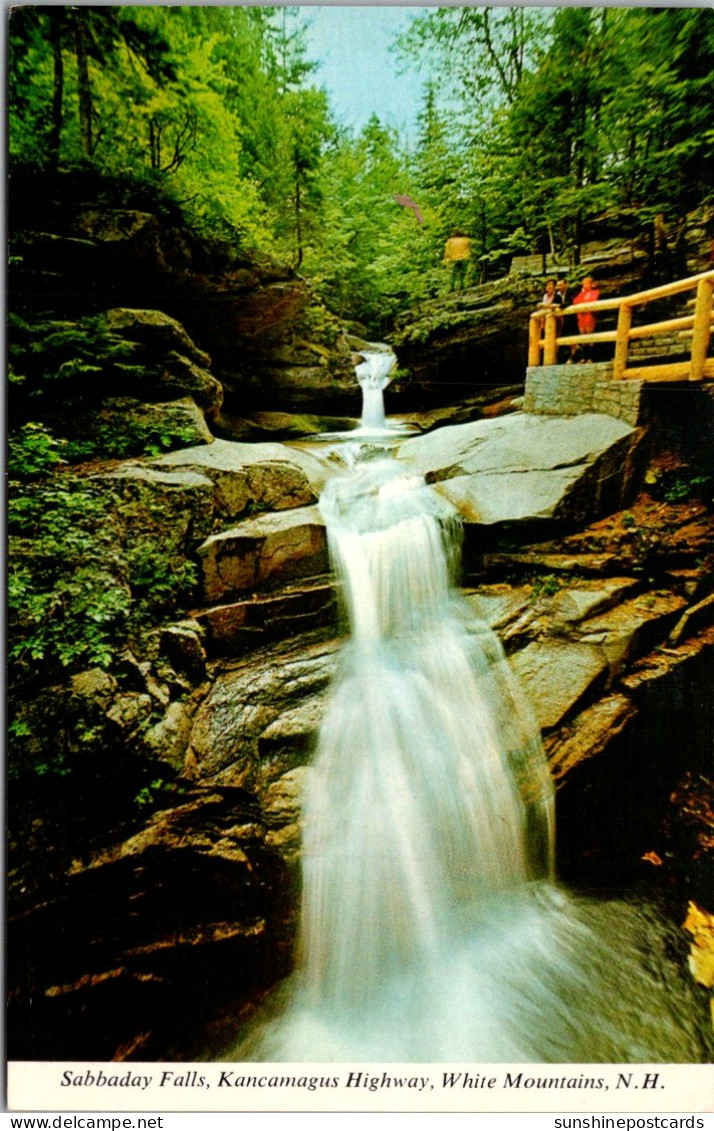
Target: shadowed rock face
145, 934
259, 328
455, 344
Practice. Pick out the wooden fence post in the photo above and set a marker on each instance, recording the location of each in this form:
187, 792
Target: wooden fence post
622, 341
701, 329
534, 340
550, 348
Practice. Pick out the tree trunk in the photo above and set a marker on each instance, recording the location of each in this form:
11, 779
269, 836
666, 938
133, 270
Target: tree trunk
85, 90
298, 222
56, 17
154, 145
578, 235
551, 240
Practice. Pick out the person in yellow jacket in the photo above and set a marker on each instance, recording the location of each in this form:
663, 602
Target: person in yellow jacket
458, 253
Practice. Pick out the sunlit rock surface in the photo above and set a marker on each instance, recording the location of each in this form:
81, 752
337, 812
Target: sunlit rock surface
523, 468
269, 475
263, 551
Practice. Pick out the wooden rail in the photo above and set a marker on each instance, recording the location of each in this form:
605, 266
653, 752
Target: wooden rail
544, 342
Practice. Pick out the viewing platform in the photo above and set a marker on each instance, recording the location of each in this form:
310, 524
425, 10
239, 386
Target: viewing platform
691, 330
674, 349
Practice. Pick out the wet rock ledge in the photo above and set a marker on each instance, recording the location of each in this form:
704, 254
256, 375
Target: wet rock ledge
182, 914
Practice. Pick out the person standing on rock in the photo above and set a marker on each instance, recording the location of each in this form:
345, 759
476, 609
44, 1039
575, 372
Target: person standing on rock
587, 321
458, 253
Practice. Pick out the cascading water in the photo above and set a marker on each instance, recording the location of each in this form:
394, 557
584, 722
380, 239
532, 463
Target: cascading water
373, 375
374, 372
431, 925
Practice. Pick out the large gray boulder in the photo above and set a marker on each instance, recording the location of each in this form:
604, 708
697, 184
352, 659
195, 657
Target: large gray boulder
266, 476
268, 550
523, 468
261, 715
155, 329
206, 485
134, 423
169, 362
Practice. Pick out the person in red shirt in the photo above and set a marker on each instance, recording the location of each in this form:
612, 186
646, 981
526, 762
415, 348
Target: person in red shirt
587, 321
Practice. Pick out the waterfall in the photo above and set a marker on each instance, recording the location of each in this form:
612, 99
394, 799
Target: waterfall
432, 928
427, 760
373, 375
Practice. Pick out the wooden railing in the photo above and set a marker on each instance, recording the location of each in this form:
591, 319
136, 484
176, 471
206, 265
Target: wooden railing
545, 322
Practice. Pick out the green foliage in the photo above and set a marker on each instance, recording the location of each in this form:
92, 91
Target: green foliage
149, 794
85, 577
534, 123
88, 576
318, 324
158, 580
120, 437
686, 484
58, 358
67, 600
73, 623
32, 451
546, 585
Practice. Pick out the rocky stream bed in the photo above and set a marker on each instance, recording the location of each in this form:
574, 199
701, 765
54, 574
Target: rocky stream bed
147, 938
154, 823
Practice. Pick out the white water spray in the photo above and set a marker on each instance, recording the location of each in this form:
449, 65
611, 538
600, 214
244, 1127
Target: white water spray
431, 926
373, 375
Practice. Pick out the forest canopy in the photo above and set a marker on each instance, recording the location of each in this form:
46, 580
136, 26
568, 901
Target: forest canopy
534, 124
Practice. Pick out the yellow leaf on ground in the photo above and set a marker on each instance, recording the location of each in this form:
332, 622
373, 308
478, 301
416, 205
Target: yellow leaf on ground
700, 925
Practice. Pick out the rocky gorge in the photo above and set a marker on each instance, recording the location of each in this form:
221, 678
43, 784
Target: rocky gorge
154, 859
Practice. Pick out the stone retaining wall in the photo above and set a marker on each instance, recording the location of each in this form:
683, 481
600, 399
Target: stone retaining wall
571, 390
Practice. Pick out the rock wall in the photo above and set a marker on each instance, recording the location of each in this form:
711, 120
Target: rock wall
557, 390
79, 251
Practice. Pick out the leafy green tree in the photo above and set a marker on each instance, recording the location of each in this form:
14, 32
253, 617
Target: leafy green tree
479, 54
374, 256
555, 126
562, 115
91, 39
300, 127
659, 114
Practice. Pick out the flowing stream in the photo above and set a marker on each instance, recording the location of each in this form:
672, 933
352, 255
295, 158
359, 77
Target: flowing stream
432, 928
